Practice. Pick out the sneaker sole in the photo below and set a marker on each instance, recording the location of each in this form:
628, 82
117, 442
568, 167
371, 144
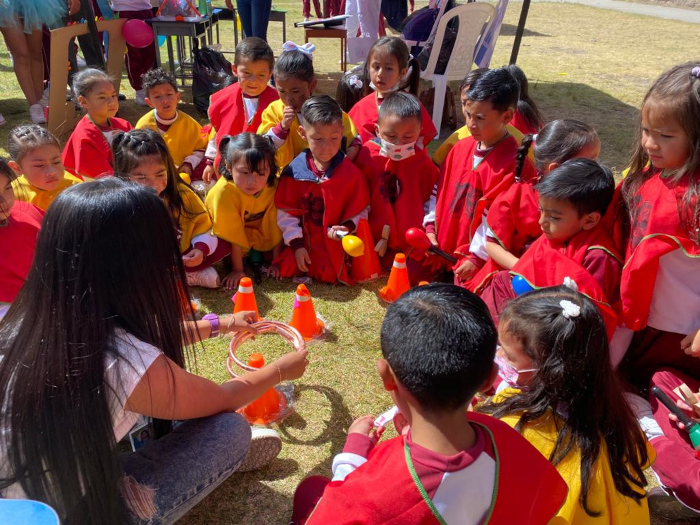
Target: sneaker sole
264, 448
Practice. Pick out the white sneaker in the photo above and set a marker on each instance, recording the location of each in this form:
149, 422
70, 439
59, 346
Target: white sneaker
265, 446
141, 97
44, 100
36, 112
207, 278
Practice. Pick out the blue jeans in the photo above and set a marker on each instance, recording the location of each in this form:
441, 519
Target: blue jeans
255, 15
169, 476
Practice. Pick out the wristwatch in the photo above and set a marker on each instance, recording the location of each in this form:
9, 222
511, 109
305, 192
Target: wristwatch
214, 322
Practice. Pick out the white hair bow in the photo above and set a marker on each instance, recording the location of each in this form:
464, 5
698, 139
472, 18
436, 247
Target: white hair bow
570, 283
307, 48
355, 81
569, 309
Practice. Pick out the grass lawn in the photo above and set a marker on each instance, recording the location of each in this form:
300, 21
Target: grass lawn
583, 63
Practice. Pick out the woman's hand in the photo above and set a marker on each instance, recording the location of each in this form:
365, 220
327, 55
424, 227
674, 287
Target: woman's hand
691, 344
240, 322
688, 412
293, 365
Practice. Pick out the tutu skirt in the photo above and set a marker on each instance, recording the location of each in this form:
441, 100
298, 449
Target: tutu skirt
31, 15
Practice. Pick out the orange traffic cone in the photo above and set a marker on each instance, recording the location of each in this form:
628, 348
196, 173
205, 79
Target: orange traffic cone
365, 267
398, 280
244, 298
269, 406
304, 317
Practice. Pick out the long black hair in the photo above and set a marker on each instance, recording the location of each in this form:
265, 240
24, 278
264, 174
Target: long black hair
106, 258
526, 106
574, 377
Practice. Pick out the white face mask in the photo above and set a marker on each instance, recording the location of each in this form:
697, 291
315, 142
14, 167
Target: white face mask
396, 152
395, 87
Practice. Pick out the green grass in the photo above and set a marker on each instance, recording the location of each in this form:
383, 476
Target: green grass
583, 63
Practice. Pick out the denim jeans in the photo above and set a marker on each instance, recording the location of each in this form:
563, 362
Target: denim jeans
255, 15
170, 475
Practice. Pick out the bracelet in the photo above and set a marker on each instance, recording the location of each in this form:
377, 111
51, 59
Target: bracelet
279, 370
214, 323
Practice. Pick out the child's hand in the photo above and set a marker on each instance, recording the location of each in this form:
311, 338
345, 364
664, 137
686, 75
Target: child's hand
288, 116
691, 344
208, 174
230, 282
273, 271
334, 230
303, 259
193, 258
352, 152
240, 322
433, 238
293, 365
465, 269
186, 168
685, 408
365, 425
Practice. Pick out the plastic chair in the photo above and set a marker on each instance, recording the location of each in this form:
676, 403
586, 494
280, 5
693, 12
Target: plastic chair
474, 21
485, 48
27, 511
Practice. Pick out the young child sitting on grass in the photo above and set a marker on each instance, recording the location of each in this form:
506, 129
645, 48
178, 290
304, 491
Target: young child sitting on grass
182, 134
438, 345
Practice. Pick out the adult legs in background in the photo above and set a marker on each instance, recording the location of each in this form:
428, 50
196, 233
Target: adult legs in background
260, 18
245, 8
139, 60
169, 476
28, 65
306, 9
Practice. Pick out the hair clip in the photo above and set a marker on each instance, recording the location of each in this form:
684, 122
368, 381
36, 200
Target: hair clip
570, 283
534, 138
307, 48
355, 81
695, 72
569, 309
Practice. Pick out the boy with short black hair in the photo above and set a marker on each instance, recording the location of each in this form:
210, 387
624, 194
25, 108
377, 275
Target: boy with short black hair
448, 466
321, 196
401, 178
239, 107
182, 134
477, 168
574, 246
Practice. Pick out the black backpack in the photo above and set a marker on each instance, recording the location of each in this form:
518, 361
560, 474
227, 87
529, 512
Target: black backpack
210, 73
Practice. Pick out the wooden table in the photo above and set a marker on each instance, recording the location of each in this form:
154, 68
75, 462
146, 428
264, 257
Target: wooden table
331, 32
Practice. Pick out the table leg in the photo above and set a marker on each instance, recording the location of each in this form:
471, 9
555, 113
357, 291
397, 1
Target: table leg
155, 39
284, 29
170, 55
235, 27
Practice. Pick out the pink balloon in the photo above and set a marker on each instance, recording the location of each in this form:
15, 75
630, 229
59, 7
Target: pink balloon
137, 33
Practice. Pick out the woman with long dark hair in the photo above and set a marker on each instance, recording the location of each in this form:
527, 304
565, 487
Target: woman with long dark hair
93, 340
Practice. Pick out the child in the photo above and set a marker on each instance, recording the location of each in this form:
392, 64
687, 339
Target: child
36, 159
563, 396
138, 60
574, 244
319, 195
477, 166
452, 466
660, 292
240, 106
88, 152
390, 68
527, 118
141, 156
242, 203
19, 227
295, 82
400, 175
182, 134
513, 218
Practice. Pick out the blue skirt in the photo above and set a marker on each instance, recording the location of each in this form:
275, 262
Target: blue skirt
31, 15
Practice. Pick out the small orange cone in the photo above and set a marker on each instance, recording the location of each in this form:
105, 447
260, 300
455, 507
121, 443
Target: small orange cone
366, 266
269, 406
244, 298
398, 280
304, 317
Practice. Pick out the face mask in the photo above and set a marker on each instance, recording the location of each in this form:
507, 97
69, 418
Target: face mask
388, 90
394, 152
509, 373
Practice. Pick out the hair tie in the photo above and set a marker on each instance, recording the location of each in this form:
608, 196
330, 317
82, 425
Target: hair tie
695, 72
355, 81
534, 138
569, 309
307, 48
570, 284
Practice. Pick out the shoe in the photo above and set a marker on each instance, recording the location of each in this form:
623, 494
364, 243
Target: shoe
207, 278
667, 507
306, 19
36, 112
141, 97
265, 445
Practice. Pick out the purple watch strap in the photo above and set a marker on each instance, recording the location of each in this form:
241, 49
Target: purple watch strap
214, 322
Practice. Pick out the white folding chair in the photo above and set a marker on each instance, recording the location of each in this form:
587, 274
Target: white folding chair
484, 50
474, 20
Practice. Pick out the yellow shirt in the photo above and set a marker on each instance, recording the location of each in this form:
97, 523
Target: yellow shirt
24, 191
248, 221
294, 143
603, 497
194, 219
441, 154
184, 136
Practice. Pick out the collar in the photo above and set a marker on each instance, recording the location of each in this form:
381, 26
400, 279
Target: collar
163, 121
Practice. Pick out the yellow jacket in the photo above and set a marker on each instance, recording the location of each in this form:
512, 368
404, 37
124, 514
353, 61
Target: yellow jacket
248, 221
294, 143
24, 191
183, 137
194, 219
